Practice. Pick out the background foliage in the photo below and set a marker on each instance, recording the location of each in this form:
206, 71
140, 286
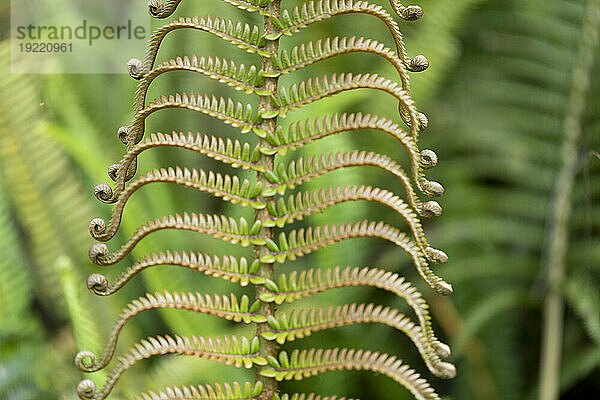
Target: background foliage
497, 95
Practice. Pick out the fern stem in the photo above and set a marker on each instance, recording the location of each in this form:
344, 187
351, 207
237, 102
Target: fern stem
268, 348
555, 253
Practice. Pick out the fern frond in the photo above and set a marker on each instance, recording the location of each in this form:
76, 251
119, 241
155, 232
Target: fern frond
229, 350
298, 243
529, 88
582, 296
225, 71
311, 12
166, 8
306, 169
271, 209
47, 197
306, 363
231, 113
307, 203
303, 322
310, 282
222, 306
227, 267
216, 391
301, 133
15, 278
82, 318
217, 226
235, 153
241, 35
228, 188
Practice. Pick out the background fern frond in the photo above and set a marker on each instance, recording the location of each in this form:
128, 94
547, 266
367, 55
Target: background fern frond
495, 93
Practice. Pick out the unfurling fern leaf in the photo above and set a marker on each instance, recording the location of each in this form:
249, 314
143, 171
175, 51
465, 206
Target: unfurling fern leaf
269, 193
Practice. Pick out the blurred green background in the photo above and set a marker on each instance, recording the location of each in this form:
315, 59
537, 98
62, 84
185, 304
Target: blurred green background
497, 94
